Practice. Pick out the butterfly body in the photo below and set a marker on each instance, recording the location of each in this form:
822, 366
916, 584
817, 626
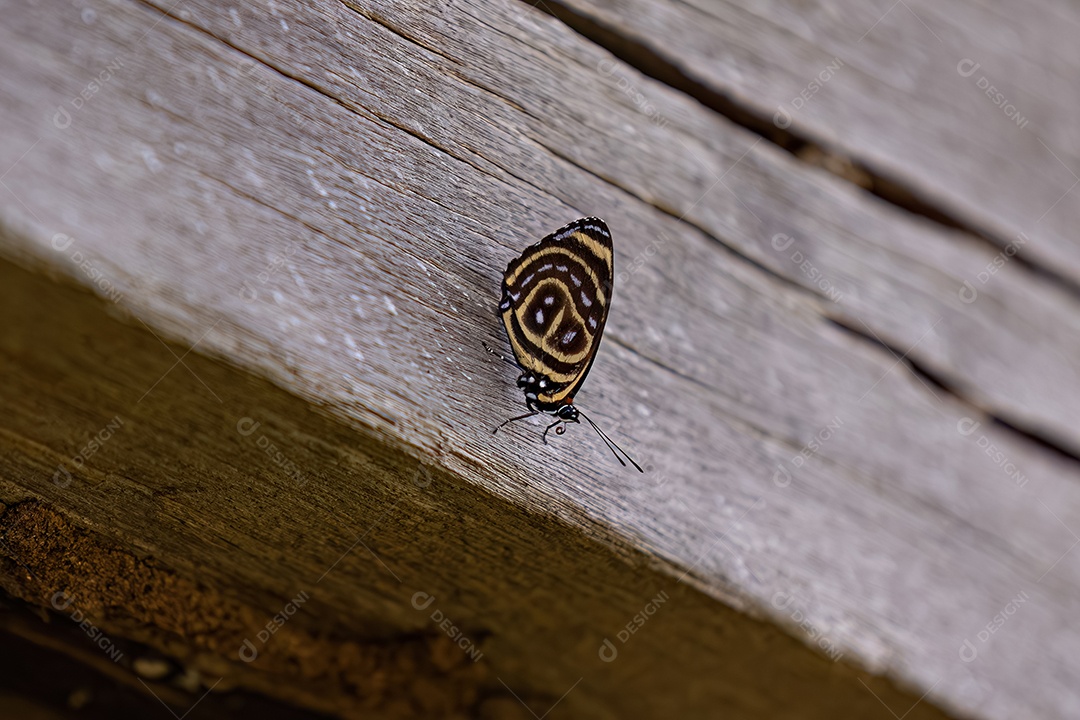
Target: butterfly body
554, 305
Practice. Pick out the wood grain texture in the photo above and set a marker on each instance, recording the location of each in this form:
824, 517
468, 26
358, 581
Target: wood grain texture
200, 518
968, 105
325, 195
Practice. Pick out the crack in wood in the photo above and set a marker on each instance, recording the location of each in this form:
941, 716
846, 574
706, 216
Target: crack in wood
1041, 437
652, 63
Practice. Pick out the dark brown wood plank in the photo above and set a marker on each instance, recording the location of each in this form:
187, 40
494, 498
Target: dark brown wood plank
187, 533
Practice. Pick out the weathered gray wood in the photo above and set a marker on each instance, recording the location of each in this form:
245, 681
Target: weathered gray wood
380, 165
968, 105
891, 278
187, 531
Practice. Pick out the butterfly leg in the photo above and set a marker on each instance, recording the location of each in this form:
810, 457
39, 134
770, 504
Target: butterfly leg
557, 432
499, 355
514, 419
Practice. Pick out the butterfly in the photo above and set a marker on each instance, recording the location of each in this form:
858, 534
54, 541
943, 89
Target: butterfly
555, 300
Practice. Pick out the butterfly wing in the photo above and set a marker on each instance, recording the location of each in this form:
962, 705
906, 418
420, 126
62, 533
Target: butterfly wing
555, 300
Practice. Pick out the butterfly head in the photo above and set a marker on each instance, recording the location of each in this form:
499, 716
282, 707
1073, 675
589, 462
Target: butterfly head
568, 413
534, 386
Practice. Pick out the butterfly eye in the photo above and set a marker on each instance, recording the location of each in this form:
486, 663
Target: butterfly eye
560, 430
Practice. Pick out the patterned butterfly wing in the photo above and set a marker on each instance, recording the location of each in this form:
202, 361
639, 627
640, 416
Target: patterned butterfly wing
555, 300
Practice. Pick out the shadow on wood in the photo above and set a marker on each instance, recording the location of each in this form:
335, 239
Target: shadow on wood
226, 534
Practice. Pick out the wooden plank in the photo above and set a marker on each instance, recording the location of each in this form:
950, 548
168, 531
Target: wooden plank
185, 532
84, 682
967, 107
888, 276
380, 199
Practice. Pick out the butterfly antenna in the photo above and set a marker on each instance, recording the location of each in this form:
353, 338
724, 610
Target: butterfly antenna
612, 445
514, 419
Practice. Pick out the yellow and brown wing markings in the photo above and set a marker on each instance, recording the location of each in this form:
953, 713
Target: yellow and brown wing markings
554, 305
537, 313
555, 302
